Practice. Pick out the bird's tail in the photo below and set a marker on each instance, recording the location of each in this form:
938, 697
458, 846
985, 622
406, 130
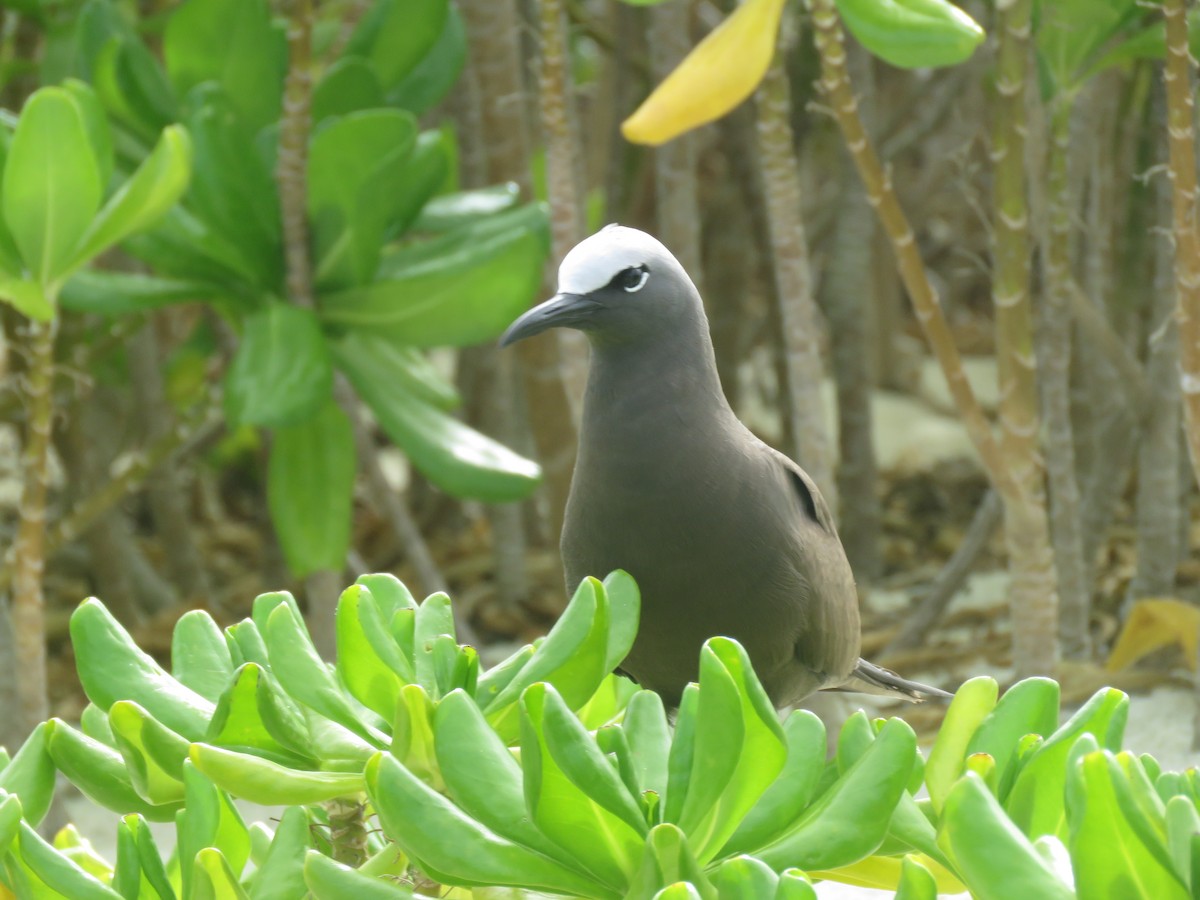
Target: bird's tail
869, 678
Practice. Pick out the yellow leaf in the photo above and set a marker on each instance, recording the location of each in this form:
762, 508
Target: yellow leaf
1153, 624
721, 72
883, 873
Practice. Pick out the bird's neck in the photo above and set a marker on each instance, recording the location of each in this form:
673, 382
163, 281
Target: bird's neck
672, 384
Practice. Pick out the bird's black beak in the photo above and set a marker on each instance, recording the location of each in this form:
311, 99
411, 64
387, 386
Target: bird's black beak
561, 310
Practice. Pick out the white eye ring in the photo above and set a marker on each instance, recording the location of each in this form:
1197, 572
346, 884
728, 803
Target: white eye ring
644, 276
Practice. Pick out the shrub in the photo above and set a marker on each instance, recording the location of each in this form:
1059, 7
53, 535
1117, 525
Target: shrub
548, 774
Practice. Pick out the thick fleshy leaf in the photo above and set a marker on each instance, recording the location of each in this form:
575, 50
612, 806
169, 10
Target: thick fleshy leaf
200, 657
254, 715
851, 818
369, 661
282, 373
329, 880
397, 34
995, 860
1029, 707
443, 839
667, 860
1115, 850
213, 879
30, 775
357, 169
912, 34
310, 489
721, 72
1035, 802
51, 186
156, 186
233, 43
463, 289
210, 819
971, 705
262, 781
456, 458
57, 871
112, 667
745, 878
153, 753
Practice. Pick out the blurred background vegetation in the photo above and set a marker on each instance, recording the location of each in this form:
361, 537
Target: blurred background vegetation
291, 377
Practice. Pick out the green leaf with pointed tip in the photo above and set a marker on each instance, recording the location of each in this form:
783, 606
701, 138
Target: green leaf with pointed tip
456, 458
740, 747
310, 489
994, 859
57, 871
436, 833
391, 361
1035, 802
1028, 707
30, 775
153, 753
235, 44
213, 879
349, 85
470, 293
156, 186
1115, 851
851, 818
395, 36
271, 784
200, 657
307, 679
791, 792
368, 659
112, 667
667, 859
427, 83
282, 373
51, 185
971, 705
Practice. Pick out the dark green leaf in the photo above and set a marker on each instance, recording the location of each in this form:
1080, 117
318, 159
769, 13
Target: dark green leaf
310, 489
348, 86
282, 373
396, 34
431, 79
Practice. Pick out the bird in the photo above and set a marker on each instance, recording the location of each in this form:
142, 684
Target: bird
723, 534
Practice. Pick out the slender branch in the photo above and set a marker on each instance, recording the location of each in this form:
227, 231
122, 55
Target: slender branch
793, 279
835, 83
29, 550
1054, 357
1103, 338
1181, 131
950, 579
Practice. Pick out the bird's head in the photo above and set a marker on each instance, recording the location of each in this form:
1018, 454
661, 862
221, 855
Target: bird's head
619, 284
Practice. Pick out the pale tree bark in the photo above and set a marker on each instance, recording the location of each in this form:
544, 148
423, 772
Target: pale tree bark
793, 280
1054, 363
1032, 596
27, 610
494, 36
1158, 464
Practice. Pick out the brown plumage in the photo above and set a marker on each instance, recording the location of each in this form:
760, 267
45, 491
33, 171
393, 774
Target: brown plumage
723, 534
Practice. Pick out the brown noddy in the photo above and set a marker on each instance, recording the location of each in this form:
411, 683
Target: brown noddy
723, 534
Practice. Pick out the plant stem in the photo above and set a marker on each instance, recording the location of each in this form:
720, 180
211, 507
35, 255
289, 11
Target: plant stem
1181, 130
348, 830
793, 279
1033, 600
1054, 358
29, 556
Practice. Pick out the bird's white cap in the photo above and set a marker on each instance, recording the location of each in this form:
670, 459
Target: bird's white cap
594, 261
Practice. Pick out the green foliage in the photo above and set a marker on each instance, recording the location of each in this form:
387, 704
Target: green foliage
547, 773
388, 281
913, 34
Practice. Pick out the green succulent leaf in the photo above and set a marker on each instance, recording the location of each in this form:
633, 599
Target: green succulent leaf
57, 871
263, 781
153, 753
51, 185
1029, 707
30, 776
972, 703
329, 880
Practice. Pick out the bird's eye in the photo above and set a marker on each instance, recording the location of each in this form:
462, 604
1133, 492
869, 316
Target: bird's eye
632, 279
